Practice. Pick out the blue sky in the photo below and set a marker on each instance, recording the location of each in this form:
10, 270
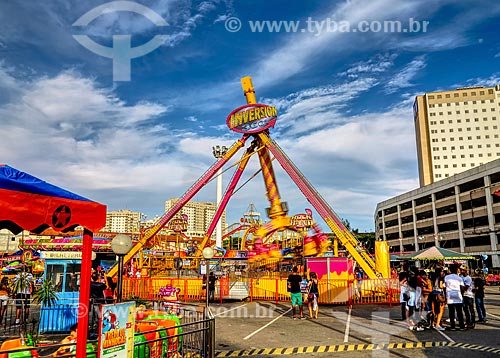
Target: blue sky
344, 98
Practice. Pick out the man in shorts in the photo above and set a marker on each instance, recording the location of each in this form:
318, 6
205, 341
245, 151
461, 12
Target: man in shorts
293, 283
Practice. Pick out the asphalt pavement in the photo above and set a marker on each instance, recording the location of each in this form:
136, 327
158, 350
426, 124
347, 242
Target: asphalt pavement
266, 329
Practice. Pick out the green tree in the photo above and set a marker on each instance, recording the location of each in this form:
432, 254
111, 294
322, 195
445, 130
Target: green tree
46, 294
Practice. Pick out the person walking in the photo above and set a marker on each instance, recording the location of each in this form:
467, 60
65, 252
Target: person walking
454, 286
211, 286
468, 298
96, 297
403, 284
313, 296
479, 298
411, 291
4, 297
438, 299
293, 284
23, 283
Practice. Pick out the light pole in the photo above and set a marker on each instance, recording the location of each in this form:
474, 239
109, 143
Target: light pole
208, 254
121, 245
219, 152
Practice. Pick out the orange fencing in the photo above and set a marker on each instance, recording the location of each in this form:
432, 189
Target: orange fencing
343, 292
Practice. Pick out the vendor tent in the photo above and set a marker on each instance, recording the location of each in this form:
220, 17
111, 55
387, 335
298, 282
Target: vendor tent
436, 253
28, 203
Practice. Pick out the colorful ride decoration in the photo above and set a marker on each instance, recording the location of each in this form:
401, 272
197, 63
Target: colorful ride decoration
158, 335
254, 122
170, 298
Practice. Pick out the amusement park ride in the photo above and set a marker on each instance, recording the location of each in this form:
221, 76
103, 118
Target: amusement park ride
253, 120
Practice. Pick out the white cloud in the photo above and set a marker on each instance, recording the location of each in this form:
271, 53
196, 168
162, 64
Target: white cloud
404, 77
376, 65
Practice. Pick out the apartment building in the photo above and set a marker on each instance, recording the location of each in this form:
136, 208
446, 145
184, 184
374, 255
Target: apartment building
461, 212
122, 221
456, 130
200, 215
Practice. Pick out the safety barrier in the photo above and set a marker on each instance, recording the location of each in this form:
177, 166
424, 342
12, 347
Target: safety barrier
158, 334
348, 292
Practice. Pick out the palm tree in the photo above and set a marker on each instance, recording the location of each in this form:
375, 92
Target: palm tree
46, 294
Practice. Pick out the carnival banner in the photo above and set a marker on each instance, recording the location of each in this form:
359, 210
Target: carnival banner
116, 330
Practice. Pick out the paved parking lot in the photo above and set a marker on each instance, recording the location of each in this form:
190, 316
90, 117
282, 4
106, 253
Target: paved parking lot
265, 329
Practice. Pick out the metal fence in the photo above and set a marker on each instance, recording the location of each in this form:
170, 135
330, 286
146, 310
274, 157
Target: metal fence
332, 291
193, 337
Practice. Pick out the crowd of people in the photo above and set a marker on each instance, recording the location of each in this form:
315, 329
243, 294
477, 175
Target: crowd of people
424, 296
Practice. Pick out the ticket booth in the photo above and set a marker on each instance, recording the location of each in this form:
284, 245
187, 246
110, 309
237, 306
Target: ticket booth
63, 269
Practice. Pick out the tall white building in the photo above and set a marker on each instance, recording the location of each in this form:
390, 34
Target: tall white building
456, 130
123, 221
200, 215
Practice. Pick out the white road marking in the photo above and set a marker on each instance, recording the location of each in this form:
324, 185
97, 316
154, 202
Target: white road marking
347, 325
229, 310
266, 325
401, 324
492, 315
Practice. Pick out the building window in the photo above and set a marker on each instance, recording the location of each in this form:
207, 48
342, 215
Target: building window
479, 146
455, 95
439, 96
454, 165
453, 157
471, 155
447, 95
471, 147
462, 155
436, 157
489, 154
480, 155
446, 165
434, 140
459, 129
476, 119
463, 165
459, 121
431, 97
442, 131
449, 113
445, 157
